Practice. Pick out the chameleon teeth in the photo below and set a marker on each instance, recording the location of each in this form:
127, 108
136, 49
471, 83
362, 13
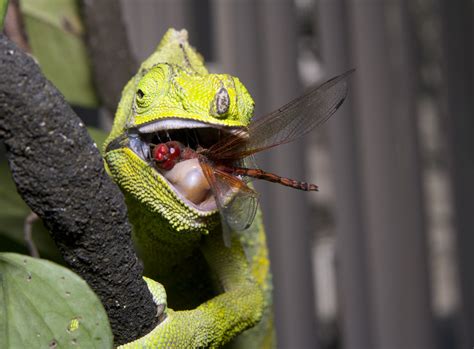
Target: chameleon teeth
189, 181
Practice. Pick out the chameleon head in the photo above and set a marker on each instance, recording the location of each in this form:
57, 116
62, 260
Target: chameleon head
170, 91
174, 102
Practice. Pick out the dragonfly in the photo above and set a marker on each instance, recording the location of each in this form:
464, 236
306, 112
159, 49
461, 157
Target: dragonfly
228, 164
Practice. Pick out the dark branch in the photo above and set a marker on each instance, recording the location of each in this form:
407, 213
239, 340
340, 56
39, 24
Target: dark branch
60, 174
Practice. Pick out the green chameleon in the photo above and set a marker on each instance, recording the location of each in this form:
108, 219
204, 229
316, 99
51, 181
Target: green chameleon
210, 294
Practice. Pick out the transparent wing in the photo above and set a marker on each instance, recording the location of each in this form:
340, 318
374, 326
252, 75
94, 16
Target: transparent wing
237, 203
287, 123
247, 162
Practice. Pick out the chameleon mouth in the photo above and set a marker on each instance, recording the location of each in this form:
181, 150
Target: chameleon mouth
185, 177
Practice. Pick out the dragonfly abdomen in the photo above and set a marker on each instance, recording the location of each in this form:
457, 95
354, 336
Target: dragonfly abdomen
267, 176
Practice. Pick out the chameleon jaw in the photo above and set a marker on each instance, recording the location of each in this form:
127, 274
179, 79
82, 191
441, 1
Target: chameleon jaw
178, 123
186, 180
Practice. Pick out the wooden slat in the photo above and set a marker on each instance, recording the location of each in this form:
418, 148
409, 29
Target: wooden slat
385, 91
288, 219
458, 91
353, 281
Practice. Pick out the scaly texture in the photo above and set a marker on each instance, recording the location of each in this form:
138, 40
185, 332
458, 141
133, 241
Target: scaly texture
216, 292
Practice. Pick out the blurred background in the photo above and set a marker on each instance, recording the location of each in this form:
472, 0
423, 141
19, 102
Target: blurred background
380, 257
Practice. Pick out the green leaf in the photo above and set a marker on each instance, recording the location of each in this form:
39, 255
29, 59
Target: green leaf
56, 37
3, 12
44, 305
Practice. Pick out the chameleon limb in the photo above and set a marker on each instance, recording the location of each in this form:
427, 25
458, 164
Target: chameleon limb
216, 321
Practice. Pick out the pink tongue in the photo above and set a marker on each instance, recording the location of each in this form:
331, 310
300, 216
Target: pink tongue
188, 179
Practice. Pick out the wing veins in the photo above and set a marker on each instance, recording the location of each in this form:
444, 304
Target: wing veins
287, 123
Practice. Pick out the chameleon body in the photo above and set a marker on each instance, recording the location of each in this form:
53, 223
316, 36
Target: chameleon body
210, 294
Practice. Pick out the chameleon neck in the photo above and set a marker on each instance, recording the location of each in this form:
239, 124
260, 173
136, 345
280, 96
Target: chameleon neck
157, 241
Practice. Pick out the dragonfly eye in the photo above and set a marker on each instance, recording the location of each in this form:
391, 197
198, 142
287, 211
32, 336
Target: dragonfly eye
222, 101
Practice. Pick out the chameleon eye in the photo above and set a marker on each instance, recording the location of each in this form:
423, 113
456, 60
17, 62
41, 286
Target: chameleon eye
222, 101
143, 99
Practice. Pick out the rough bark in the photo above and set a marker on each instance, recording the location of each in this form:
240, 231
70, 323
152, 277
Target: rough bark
60, 174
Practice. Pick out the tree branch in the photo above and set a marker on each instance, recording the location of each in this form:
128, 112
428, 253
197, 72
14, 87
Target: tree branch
60, 175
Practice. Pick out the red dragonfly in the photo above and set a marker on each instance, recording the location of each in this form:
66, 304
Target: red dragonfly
228, 162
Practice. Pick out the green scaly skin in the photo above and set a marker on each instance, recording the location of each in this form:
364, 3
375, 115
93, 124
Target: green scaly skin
218, 294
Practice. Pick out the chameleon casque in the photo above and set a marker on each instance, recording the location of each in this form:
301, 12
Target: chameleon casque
215, 294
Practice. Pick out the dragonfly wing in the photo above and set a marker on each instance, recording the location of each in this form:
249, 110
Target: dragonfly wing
237, 203
287, 123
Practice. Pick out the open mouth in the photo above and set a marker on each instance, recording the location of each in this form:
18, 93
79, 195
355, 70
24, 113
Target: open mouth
184, 176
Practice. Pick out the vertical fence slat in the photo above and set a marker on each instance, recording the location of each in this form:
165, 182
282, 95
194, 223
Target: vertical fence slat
351, 240
237, 43
147, 21
457, 41
391, 193
287, 211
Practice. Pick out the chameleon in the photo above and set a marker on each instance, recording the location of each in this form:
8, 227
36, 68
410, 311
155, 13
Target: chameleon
208, 294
